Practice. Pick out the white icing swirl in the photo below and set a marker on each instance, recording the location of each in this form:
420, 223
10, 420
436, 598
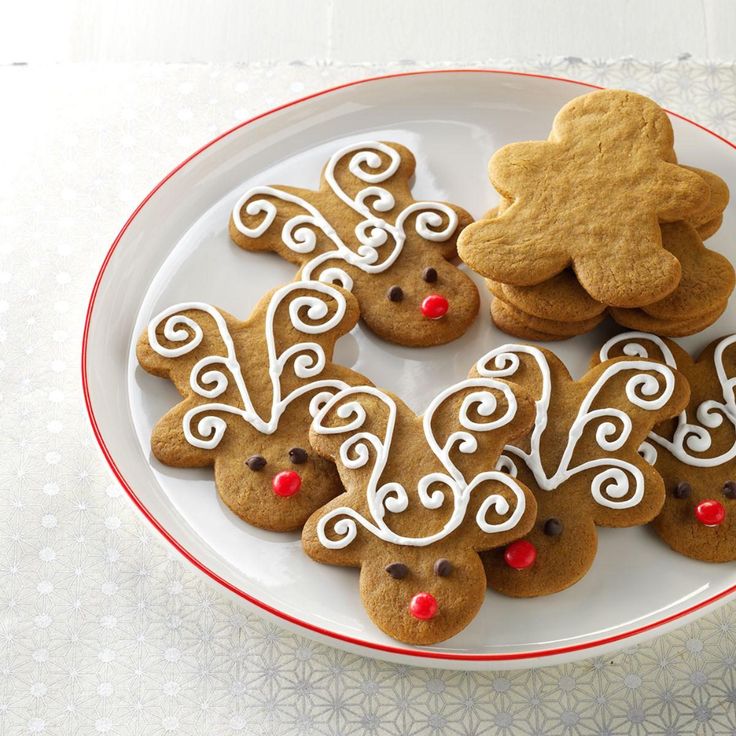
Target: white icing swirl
370, 162
689, 438
611, 486
211, 376
362, 446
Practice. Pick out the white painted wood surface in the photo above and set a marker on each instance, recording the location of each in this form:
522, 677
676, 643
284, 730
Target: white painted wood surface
356, 31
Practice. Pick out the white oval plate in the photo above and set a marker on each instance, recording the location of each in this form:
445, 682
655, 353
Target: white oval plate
175, 247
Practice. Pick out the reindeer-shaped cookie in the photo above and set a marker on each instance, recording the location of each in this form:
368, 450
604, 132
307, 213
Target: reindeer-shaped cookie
581, 460
696, 452
363, 230
590, 197
699, 299
422, 499
250, 390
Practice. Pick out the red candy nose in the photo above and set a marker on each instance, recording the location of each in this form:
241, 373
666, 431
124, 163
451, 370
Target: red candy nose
710, 512
286, 483
520, 554
423, 606
435, 306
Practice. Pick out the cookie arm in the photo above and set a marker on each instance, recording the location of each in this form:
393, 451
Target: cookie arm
507, 250
169, 444
292, 222
682, 192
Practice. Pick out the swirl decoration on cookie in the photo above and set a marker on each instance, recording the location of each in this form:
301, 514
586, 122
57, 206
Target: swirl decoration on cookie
375, 235
210, 376
359, 446
611, 486
689, 440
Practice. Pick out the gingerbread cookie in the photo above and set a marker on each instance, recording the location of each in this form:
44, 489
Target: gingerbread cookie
710, 228
638, 319
249, 391
561, 298
710, 215
422, 500
591, 198
363, 230
707, 277
580, 460
695, 453
528, 327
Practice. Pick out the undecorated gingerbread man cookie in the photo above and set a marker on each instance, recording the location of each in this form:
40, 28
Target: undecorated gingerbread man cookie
590, 197
422, 500
249, 391
695, 453
363, 230
581, 460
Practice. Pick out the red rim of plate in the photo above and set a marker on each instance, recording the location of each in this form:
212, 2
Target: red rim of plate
389, 649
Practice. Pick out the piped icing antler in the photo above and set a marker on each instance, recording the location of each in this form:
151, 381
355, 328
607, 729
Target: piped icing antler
611, 485
691, 441
211, 375
379, 237
356, 450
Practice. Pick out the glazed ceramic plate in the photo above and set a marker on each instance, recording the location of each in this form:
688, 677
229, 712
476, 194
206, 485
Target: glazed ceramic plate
176, 248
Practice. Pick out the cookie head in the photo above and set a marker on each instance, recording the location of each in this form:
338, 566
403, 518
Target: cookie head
422, 300
422, 499
272, 481
416, 597
611, 119
699, 515
556, 553
363, 230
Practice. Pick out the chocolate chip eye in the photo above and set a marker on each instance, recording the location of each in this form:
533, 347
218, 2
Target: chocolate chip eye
397, 570
429, 275
298, 455
442, 567
729, 489
256, 462
395, 294
682, 490
553, 527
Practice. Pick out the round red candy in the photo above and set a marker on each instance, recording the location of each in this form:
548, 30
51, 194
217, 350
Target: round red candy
435, 306
520, 554
710, 512
423, 606
286, 483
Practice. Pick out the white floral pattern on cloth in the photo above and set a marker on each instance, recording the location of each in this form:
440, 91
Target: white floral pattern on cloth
102, 630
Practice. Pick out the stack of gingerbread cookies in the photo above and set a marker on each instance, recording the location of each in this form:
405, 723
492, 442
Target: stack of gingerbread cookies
601, 219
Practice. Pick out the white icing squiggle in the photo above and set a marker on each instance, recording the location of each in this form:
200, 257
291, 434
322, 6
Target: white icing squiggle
209, 375
611, 486
373, 233
689, 438
356, 450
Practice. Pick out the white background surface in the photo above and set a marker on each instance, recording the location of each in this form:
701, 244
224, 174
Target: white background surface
101, 629
350, 31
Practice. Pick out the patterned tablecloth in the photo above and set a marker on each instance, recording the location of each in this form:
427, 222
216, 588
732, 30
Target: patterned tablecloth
102, 629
